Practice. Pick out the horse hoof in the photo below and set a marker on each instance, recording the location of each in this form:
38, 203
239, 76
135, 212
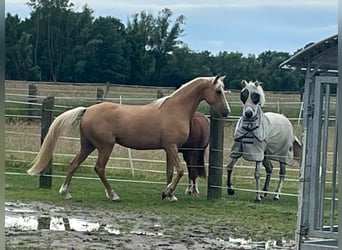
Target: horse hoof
231, 191
116, 198
276, 198
187, 191
173, 198
67, 196
164, 195
195, 194
257, 201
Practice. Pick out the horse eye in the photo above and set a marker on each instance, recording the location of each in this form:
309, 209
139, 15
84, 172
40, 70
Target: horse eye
255, 98
218, 91
244, 95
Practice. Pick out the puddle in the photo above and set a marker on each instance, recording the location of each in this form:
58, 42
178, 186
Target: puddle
23, 219
19, 217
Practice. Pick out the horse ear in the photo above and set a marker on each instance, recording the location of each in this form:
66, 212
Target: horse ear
244, 83
222, 78
257, 83
217, 77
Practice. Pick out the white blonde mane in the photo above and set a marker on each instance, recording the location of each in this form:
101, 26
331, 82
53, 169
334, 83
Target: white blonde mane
159, 102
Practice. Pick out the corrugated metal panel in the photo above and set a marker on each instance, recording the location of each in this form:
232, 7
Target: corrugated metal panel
322, 55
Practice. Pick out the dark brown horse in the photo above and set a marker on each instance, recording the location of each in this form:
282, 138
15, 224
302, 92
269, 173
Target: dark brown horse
162, 124
194, 150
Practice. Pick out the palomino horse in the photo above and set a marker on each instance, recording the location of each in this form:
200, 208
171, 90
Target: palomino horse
162, 124
194, 150
262, 137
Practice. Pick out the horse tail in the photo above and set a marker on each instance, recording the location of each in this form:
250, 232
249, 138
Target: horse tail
63, 122
297, 149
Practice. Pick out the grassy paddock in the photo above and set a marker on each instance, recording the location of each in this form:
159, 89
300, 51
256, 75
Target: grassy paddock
268, 220
244, 218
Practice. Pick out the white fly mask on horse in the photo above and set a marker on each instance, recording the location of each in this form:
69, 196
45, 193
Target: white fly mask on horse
252, 97
251, 129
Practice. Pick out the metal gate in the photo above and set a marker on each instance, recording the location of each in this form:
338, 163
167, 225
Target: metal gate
318, 204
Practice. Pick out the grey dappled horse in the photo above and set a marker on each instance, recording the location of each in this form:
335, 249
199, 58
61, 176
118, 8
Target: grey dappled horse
262, 137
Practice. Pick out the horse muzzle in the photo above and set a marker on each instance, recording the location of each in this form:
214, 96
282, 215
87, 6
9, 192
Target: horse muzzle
225, 113
249, 113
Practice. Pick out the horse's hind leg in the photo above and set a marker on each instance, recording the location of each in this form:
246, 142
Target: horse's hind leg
103, 157
195, 190
192, 187
269, 168
282, 172
86, 149
189, 188
230, 167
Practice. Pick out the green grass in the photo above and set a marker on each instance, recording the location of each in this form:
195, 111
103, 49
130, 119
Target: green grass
238, 213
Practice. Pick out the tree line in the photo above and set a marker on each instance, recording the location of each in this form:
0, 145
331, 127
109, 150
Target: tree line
57, 43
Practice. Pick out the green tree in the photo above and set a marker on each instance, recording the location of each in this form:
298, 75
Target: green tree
51, 19
81, 46
13, 33
164, 41
153, 42
275, 78
19, 50
139, 30
110, 62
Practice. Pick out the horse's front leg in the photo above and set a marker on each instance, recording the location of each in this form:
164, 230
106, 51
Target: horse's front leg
195, 190
257, 181
192, 187
230, 167
189, 187
269, 168
282, 172
172, 159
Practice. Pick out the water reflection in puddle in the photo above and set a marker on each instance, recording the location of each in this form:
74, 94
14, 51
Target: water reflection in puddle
25, 219
19, 217
28, 222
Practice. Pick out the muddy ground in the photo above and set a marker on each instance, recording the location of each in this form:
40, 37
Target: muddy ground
39, 225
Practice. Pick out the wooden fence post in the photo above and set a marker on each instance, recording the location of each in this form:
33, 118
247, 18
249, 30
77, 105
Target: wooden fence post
45, 179
32, 99
99, 95
215, 156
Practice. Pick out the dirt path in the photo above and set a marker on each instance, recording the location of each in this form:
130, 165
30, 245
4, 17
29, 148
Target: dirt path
39, 225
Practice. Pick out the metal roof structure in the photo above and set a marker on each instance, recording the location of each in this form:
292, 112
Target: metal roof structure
321, 56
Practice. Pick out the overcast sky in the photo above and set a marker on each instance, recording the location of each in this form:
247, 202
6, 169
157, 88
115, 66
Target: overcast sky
247, 26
